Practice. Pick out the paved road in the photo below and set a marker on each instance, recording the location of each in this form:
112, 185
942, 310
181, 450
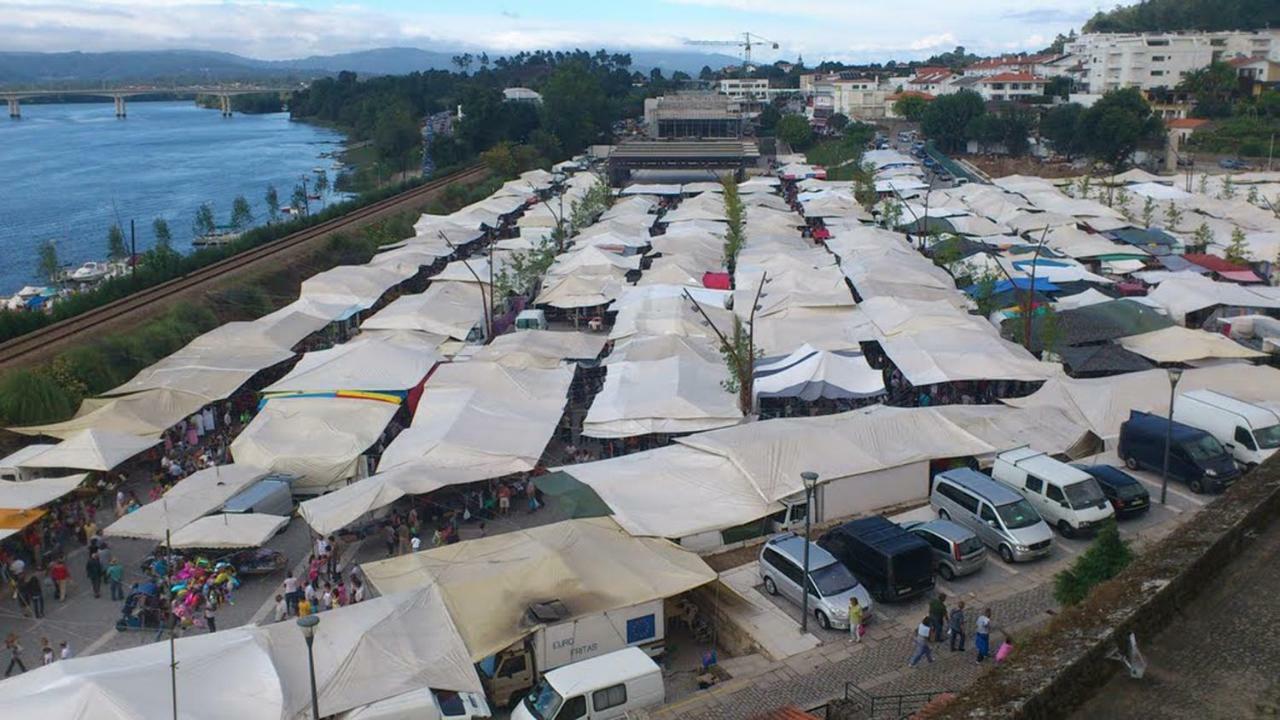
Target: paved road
1219, 659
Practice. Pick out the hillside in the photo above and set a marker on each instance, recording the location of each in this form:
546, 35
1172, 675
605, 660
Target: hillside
1168, 15
25, 69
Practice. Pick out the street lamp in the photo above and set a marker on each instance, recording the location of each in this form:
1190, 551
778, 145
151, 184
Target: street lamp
1175, 374
308, 625
810, 479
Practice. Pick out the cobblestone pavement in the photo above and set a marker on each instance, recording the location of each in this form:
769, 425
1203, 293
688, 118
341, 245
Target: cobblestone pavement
1220, 659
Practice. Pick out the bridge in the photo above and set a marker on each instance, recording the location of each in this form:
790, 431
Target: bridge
224, 93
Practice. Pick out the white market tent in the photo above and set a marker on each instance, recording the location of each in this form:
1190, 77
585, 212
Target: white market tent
541, 348
1188, 293
193, 497
146, 413
579, 290
229, 531
671, 395
31, 494
363, 653
355, 286
446, 309
489, 582
1178, 344
809, 374
318, 440
369, 362
92, 450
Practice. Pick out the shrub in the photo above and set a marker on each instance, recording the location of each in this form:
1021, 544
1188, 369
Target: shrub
29, 397
1105, 558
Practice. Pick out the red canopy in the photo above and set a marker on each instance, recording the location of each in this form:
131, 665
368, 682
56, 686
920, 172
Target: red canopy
1212, 262
717, 281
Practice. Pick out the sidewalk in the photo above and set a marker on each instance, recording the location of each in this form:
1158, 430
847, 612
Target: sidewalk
878, 664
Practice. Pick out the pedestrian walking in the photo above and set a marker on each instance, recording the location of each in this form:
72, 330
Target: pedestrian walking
389, 537
93, 568
333, 558
210, 616
938, 615
922, 651
982, 635
357, 594
15, 654
291, 592
855, 620
34, 593
115, 578
61, 577
504, 499
531, 493
282, 609
403, 534
64, 650
957, 628
46, 652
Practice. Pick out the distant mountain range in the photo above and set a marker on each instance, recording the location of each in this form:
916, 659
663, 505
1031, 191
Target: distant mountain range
21, 69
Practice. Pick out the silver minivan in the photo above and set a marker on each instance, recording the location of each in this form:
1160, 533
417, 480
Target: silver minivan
1004, 520
831, 585
957, 551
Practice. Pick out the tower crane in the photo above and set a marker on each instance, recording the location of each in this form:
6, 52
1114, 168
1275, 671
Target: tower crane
746, 42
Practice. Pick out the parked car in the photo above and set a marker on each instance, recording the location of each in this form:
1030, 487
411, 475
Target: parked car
607, 687
1067, 498
1001, 517
1195, 457
830, 584
1127, 496
957, 551
890, 562
1233, 164
1250, 432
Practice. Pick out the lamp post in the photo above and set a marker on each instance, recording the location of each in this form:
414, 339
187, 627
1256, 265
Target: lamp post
1175, 374
308, 625
810, 479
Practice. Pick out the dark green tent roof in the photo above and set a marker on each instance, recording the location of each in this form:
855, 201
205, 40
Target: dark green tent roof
1099, 323
577, 498
1104, 359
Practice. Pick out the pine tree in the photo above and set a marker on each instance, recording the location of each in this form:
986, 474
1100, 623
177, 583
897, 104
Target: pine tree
273, 203
116, 249
1228, 188
1203, 236
241, 213
1148, 212
164, 238
1172, 216
1238, 250
49, 265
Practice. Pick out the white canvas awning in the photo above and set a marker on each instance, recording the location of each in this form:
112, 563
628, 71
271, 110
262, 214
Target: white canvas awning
672, 395
580, 290
1178, 344
355, 286
31, 494
809, 374
446, 309
541, 348
315, 439
489, 583
92, 450
227, 531
377, 362
193, 497
1186, 294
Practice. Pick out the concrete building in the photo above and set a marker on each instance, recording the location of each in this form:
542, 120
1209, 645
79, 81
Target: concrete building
693, 116
521, 94
749, 88
931, 80
1007, 87
1151, 60
858, 98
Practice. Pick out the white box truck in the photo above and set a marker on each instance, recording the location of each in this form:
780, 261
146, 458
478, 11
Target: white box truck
561, 639
1251, 433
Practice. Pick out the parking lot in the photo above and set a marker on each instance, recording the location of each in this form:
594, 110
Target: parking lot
998, 580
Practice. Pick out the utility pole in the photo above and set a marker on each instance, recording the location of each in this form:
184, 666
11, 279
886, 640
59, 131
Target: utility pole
133, 248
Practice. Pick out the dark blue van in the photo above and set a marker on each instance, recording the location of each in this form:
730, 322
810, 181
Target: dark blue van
1195, 457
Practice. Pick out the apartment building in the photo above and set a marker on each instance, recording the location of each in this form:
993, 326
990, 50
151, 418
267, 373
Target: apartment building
1010, 87
859, 98
931, 80
1152, 60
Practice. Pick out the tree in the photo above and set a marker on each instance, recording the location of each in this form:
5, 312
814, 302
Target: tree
838, 121
273, 203
1148, 212
735, 215
500, 160
1238, 249
116, 249
1107, 555
1061, 127
768, 119
48, 263
947, 118
1253, 196
1203, 184
986, 130
299, 201
1018, 124
322, 185
1059, 87
1228, 191
1202, 236
910, 107
164, 237
395, 135
1214, 87
241, 213
574, 106
204, 223
794, 130
1172, 216
1117, 125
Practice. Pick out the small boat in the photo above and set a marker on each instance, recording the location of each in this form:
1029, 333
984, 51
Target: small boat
91, 271
220, 236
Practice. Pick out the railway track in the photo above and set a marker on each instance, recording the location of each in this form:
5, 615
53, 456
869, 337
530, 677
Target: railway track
20, 348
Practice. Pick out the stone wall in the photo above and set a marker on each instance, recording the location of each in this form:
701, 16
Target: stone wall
1055, 670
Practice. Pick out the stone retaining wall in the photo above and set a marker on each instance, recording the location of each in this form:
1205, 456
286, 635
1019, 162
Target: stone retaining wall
1056, 670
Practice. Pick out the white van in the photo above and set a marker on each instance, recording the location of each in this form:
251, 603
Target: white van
424, 704
1067, 498
600, 688
1249, 432
531, 320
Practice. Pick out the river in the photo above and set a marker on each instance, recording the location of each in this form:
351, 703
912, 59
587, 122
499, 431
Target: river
72, 170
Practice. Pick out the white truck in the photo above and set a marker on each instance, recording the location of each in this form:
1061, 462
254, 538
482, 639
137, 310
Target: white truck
11, 466
559, 639
1251, 433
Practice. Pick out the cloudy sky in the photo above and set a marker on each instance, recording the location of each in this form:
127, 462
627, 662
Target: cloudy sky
278, 29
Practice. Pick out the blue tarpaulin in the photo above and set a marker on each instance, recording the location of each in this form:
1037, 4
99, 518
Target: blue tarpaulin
1003, 286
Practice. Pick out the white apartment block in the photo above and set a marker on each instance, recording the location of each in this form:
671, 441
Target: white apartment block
857, 98
745, 88
1151, 60
1007, 87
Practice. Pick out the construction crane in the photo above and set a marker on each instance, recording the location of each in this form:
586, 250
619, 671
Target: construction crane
748, 41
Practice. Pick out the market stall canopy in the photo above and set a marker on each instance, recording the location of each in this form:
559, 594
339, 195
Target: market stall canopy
317, 440
1104, 359
1079, 300
1180, 345
193, 497
810, 374
31, 494
228, 531
384, 362
541, 348
356, 286
146, 413
446, 309
671, 395
580, 290
92, 450
489, 583
1186, 294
